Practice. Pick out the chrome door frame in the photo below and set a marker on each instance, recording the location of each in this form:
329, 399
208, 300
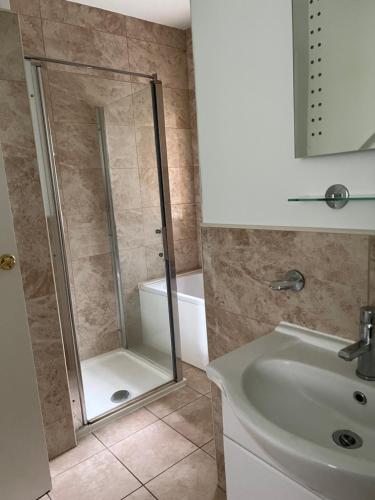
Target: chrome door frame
166, 218
116, 267
57, 243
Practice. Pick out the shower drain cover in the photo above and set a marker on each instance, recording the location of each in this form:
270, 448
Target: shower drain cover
347, 439
120, 396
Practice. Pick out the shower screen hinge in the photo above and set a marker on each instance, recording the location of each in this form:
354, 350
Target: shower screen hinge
165, 243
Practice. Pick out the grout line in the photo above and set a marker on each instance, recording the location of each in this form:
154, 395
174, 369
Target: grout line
122, 463
179, 408
154, 496
78, 463
181, 51
79, 26
132, 434
201, 448
188, 439
108, 448
170, 467
145, 487
135, 491
160, 420
134, 37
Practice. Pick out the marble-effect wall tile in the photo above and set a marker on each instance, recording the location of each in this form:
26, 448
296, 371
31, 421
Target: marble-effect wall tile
75, 98
29, 221
176, 108
32, 36
122, 150
17, 144
125, 188
181, 184
333, 293
238, 266
179, 147
82, 15
25, 7
186, 255
15, 126
168, 62
77, 145
96, 311
11, 64
85, 45
157, 33
184, 222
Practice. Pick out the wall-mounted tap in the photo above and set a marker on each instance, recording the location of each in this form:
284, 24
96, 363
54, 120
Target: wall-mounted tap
364, 349
293, 280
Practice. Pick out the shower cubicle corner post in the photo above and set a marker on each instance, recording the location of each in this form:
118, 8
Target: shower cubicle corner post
51, 198
166, 218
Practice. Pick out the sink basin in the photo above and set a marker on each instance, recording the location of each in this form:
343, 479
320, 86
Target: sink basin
291, 392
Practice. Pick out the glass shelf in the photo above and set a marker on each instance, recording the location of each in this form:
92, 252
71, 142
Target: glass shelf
353, 197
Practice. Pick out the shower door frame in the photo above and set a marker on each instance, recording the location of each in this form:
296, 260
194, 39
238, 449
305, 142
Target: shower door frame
116, 267
63, 293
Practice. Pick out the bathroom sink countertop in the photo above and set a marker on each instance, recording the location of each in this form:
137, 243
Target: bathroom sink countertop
292, 392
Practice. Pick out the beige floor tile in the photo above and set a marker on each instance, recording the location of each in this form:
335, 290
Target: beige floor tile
196, 379
194, 478
87, 446
173, 401
141, 494
152, 450
210, 448
101, 477
123, 427
194, 421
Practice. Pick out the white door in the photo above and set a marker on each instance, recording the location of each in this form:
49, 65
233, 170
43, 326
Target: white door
24, 471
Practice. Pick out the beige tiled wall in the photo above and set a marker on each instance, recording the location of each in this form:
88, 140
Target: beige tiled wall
73, 99
239, 264
194, 139
17, 144
60, 29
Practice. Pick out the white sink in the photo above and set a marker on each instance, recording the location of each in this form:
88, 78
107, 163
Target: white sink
291, 392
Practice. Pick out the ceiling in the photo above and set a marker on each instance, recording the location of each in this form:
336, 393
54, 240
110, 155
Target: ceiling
174, 13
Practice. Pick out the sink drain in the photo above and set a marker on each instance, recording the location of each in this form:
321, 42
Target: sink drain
120, 396
347, 439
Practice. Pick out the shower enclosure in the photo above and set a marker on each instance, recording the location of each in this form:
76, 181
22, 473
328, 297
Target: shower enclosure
102, 161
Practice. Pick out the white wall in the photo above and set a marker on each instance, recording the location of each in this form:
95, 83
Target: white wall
4, 4
244, 77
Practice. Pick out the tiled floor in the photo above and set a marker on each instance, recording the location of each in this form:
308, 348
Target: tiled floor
163, 451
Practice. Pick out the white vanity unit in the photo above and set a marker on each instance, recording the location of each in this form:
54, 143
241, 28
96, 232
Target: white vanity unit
298, 421
250, 472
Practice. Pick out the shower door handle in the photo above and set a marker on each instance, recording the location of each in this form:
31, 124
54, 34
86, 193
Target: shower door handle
165, 243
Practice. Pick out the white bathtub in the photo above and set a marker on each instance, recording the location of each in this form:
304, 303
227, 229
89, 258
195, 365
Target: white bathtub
155, 321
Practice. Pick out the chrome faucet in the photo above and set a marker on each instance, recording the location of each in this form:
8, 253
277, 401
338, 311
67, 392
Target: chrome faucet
364, 349
293, 280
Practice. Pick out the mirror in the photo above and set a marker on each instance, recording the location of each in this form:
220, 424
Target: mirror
334, 78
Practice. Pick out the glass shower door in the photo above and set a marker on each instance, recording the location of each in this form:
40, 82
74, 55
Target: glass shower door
111, 205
